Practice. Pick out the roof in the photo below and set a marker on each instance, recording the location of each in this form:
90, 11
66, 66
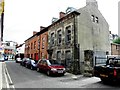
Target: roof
46, 29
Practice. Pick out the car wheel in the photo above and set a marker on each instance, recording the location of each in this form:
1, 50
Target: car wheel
38, 69
48, 73
63, 74
104, 80
26, 65
31, 67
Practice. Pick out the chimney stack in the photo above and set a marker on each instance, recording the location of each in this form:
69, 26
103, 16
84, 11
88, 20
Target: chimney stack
92, 3
41, 28
34, 32
61, 14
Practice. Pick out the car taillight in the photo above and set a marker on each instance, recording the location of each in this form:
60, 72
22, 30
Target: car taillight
115, 73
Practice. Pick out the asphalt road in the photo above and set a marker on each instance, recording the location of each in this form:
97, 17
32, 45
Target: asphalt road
23, 77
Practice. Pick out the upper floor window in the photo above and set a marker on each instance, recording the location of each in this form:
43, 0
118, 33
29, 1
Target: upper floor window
59, 36
38, 43
96, 19
52, 38
34, 44
93, 18
31, 45
68, 35
43, 42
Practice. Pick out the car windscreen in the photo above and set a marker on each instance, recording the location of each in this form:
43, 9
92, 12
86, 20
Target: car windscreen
114, 62
53, 62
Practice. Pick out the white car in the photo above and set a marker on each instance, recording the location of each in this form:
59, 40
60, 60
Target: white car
18, 60
2, 59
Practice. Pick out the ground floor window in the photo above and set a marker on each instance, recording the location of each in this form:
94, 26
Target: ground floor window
58, 55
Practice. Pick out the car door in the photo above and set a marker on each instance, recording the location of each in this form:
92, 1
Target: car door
45, 66
40, 65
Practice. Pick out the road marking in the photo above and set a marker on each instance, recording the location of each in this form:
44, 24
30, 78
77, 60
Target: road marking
1, 75
10, 83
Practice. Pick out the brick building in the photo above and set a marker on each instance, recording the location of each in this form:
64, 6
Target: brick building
115, 49
36, 45
31, 47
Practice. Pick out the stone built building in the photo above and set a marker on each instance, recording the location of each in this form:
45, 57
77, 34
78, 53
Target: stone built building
77, 37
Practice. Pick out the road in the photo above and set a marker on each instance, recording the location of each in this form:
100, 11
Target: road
23, 77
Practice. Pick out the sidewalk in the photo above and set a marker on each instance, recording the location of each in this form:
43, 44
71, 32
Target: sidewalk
1, 75
72, 76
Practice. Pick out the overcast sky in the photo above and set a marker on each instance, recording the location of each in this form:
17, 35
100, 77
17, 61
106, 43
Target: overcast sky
22, 17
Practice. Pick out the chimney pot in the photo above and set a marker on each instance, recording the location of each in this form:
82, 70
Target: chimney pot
61, 14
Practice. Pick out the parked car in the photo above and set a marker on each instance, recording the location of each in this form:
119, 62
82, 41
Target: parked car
18, 60
31, 64
2, 59
50, 67
24, 60
110, 71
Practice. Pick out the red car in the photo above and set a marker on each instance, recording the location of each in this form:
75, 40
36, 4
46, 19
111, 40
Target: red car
50, 67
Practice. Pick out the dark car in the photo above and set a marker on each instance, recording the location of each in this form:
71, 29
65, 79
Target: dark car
24, 60
31, 64
50, 67
110, 71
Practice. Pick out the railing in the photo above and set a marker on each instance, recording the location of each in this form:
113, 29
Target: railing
100, 60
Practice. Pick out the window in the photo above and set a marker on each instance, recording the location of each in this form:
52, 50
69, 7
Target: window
96, 19
31, 45
68, 35
58, 54
39, 44
43, 42
52, 39
8, 44
117, 47
93, 18
68, 55
34, 44
59, 37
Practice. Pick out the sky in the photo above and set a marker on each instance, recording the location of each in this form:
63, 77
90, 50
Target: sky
22, 17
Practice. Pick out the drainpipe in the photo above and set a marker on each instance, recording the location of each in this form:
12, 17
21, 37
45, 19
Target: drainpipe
76, 50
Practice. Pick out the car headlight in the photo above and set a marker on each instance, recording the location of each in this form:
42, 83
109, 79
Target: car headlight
64, 69
53, 69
